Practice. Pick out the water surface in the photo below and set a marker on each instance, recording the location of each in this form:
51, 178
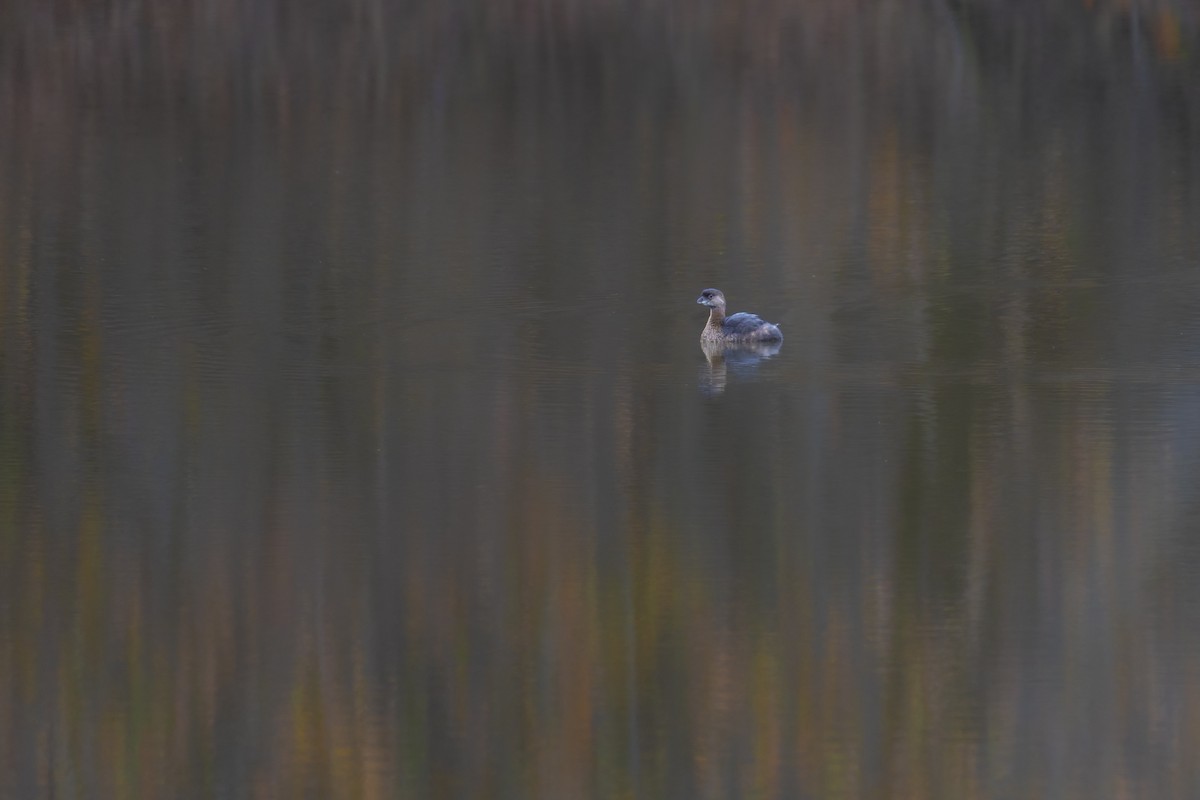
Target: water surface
370, 451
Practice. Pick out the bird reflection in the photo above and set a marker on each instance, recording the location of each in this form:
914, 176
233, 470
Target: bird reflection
740, 358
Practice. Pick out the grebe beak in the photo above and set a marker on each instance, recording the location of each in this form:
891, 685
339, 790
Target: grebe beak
701, 301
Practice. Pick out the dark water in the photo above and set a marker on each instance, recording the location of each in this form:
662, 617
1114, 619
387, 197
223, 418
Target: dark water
352, 451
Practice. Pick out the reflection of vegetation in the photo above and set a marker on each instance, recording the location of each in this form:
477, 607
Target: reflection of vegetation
229, 560
220, 50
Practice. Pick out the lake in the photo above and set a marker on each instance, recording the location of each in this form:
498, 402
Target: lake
365, 446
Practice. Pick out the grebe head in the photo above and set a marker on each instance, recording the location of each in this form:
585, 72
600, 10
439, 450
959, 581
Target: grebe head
711, 298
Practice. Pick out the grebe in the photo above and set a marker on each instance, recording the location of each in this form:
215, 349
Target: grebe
737, 328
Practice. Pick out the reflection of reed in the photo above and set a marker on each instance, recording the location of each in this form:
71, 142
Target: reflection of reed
720, 356
284, 51
232, 555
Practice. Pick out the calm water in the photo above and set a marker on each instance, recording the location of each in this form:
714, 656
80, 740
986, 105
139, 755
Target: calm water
363, 451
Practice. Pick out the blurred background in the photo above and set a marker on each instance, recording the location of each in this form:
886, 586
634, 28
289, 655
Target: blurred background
356, 440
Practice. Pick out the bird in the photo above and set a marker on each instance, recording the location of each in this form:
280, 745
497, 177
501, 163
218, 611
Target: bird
739, 328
